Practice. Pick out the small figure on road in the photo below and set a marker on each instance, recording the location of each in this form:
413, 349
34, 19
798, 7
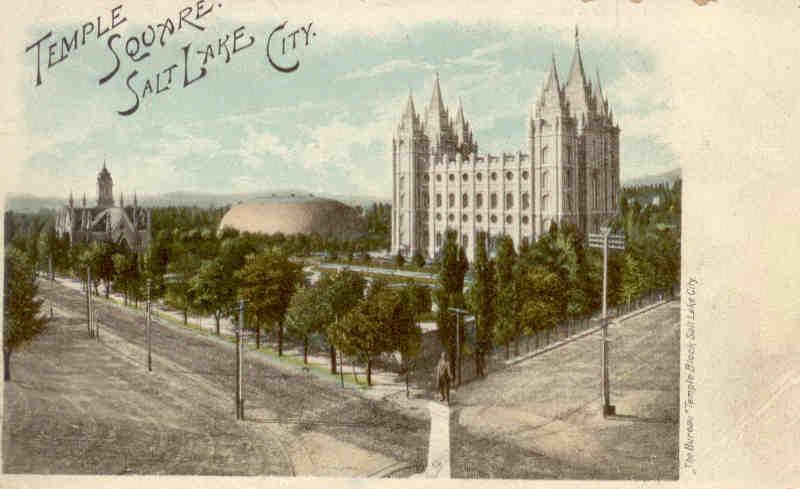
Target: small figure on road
443, 378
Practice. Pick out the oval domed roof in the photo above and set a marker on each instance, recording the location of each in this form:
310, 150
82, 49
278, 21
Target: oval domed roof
292, 215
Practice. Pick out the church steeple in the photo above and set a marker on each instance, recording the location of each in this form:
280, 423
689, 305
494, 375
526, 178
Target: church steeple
577, 87
105, 188
550, 95
436, 120
71, 201
409, 110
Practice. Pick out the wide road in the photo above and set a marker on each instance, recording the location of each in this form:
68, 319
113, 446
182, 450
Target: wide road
98, 398
542, 417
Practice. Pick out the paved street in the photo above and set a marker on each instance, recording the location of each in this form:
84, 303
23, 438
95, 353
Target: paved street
541, 418
81, 406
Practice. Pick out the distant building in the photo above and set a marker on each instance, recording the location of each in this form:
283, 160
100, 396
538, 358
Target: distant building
294, 215
127, 226
568, 173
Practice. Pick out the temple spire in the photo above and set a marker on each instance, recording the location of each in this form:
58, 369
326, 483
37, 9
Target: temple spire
71, 201
576, 72
436, 96
409, 105
121, 201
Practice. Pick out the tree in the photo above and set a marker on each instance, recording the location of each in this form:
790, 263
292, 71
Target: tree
507, 304
380, 323
21, 308
183, 264
213, 290
268, 281
453, 267
308, 314
415, 299
419, 260
399, 260
482, 298
543, 306
342, 292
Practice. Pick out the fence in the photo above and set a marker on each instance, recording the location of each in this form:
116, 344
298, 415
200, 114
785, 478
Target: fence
425, 363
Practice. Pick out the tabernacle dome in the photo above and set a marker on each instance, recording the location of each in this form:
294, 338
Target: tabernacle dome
293, 215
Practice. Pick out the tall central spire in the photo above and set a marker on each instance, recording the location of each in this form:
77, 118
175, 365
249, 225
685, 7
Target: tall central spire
437, 106
577, 87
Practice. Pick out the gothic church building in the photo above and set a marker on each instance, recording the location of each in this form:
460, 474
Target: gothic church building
568, 173
127, 226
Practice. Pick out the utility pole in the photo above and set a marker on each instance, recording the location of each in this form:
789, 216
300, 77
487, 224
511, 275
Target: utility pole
239, 354
88, 299
606, 240
148, 326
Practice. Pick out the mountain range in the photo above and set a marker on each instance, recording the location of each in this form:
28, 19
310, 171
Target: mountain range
20, 202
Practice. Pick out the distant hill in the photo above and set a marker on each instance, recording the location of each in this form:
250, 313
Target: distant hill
33, 203
666, 177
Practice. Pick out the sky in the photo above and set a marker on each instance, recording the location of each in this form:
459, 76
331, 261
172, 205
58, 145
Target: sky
326, 127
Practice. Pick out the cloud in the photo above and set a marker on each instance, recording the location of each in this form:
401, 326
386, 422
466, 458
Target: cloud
479, 57
256, 146
386, 68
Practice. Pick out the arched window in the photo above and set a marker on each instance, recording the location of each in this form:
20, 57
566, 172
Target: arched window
465, 177
479, 176
426, 200
509, 219
479, 200
526, 200
509, 175
451, 218
464, 218
438, 239
465, 201
524, 219
493, 201
427, 178
494, 175
478, 218
452, 178
438, 178
438, 200
509, 200
525, 175
438, 216
493, 219
569, 202
451, 200
545, 181
465, 240
402, 200
545, 203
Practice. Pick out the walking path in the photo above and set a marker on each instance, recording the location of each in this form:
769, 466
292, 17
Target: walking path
439, 445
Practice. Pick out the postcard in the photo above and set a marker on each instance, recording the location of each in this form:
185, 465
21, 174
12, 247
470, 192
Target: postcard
336, 243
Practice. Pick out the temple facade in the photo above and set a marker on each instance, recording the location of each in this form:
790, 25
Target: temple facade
568, 172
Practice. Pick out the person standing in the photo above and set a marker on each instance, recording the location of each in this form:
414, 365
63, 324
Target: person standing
443, 378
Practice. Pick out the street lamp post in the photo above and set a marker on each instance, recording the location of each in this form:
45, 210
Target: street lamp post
606, 240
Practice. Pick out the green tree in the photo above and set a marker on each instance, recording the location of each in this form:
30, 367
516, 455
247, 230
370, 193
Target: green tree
419, 260
182, 266
213, 290
453, 267
268, 281
507, 305
399, 260
308, 314
21, 307
342, 292
414, 300
543, 305
482, 299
